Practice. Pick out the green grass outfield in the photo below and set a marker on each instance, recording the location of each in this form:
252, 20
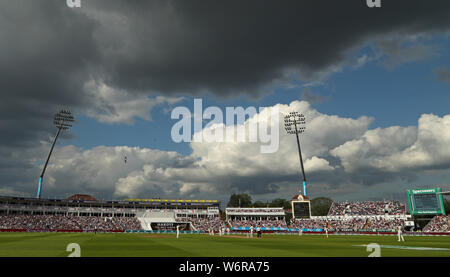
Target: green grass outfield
167, 245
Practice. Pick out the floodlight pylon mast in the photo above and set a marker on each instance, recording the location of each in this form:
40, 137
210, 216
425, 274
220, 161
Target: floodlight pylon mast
301, 159
294, 118
62, 121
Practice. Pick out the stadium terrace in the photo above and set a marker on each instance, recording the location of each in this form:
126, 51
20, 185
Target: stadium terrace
84, 213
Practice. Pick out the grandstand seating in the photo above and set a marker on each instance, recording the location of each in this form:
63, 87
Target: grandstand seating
383, 223
354, 223
440, 223
259, 223
73, 223
206, 224
351, 223
32, 214
367, 208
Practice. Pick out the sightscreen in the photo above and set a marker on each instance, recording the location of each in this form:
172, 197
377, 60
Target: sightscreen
169, 226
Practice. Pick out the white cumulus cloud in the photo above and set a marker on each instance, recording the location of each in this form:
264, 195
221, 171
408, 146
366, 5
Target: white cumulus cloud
339, 154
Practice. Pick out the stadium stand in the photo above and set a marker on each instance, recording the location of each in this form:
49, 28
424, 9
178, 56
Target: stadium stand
206, 224
367, 208
440, 223
361, 215
83, 212
256, 217
346, 216
351, 223
68, 223
239, 214
259, 223
383, 223
309, 223
82, 197
355, 223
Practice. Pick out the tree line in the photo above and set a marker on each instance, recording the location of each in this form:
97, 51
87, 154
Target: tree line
319, 206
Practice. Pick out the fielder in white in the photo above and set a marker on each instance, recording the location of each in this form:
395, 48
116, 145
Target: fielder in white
251, 231
400, 234
326, 231
178, 231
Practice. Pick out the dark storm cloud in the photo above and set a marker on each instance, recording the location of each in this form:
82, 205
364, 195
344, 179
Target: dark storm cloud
44, 52
232, 47
49, 51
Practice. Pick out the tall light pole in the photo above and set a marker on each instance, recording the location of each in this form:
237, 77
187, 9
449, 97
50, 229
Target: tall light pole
293, 124
62, 121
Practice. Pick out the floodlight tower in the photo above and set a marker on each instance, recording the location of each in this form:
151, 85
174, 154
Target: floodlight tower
292, 124
62, 121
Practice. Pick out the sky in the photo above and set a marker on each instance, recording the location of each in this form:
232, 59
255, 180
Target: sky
373, 84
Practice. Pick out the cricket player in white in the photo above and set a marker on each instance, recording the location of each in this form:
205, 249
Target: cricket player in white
178, 231
300, 232
326, 231
400, 234
251, 231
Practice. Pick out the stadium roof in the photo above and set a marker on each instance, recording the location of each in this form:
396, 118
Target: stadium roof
169, 200
300, 197
445, 193
82, 197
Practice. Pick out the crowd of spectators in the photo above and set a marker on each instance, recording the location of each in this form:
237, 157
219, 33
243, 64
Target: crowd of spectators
183, 219
64, 222
440, 223
367, 208
205, 224
385, 223
259, 223
354, 223
345, 224
255, 210
306, 223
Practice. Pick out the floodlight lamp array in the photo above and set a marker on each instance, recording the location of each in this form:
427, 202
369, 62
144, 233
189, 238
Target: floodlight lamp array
63, 119
293, 122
